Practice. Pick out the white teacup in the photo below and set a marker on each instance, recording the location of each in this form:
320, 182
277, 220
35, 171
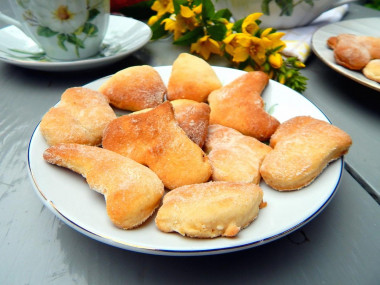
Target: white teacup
301, 14
64, 29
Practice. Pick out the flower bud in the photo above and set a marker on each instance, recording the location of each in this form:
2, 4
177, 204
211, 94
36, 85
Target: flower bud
281, 78
275, 60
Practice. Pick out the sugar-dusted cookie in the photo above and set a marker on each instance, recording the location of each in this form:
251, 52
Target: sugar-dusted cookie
193, 117
132, 191
302, 148
80, 117
155, 139
135, 88
191, 78
354, 51
372, 70
210, 209
239, 105
234, 157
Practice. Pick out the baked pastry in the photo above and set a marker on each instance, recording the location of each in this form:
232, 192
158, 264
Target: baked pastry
372, 70
234, 157
193, 117
135, 88
239, 105
354, 51
132, 191
154, 138
80, 117
210, 209
302, 147
191, 78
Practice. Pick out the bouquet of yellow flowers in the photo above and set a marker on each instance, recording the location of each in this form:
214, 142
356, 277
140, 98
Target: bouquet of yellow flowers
242, 42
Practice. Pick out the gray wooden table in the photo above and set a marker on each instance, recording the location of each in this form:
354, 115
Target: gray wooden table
339, 246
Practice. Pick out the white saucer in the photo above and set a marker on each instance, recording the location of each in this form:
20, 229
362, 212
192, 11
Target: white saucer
124, 36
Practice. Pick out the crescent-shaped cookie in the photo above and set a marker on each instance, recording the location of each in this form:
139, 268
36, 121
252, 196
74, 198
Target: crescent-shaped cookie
239, 105
132, 191
234, 157
302, 147
80, 117
210, 209
155, 139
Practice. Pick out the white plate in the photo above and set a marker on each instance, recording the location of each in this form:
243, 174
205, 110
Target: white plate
68, 196
124, 36
364, 27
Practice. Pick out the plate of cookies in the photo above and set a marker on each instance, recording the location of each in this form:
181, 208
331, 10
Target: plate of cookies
351, 48
187, 159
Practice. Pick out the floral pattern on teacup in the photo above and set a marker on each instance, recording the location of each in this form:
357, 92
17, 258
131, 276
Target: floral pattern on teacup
70, 21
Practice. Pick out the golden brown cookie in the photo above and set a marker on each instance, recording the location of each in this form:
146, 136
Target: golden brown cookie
234, 157
132, 191
302, 148
193, 117
191, 78
155, 139
210, 209
372, 70
239, 105
80, 117
354, 51
135, 88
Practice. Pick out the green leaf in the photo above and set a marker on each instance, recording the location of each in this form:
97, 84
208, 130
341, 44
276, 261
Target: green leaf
286, 7
158, 30
270, 111
223, 13
190, 37
92, 14
217, 31
90, 29
61, 41
177, 4
45, 32
237, 25
71, 38
208, 10
265, 7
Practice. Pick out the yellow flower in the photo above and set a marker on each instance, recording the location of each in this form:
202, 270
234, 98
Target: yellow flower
274, 38
162, 7
152, 20
243, 46
198, 9
188, 17
205, 46
275, 60
249, 25
173, 25
234, 41
299, 64
248, 68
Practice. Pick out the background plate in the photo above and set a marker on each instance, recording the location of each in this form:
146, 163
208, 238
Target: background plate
364, 27
68, 196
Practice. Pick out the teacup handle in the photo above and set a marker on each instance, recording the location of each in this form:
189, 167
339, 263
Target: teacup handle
9, 20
